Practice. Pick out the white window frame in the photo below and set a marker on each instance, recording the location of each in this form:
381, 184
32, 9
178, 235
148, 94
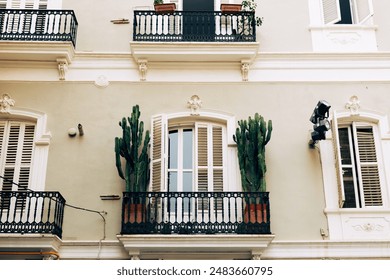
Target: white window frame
330, 37
159, 152
42, 140
356, 165
331, 11
367, 223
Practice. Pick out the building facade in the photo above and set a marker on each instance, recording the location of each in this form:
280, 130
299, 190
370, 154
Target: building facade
71, 70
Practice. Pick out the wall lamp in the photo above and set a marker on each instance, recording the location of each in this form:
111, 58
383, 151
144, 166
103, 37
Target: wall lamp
320, 121
72, 132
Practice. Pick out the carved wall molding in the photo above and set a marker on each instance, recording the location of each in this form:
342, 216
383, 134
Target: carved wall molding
195, 103
6, 102
244, 70
353, 105
143, 68
102, 81
62, 68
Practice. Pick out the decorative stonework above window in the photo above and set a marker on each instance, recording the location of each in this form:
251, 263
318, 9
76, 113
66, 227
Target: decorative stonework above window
6, 102
353, 105
195, 103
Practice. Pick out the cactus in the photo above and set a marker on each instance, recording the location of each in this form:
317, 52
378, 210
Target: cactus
136, 169
251, 137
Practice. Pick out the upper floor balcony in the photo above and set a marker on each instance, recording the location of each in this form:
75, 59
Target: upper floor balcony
194, 36
38, 25
197, 26
37, 35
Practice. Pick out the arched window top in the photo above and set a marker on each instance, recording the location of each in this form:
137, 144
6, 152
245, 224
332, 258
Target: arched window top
367, 116
226, 119
40, 119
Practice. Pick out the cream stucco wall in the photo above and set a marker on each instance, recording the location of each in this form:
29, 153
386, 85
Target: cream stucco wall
83, 168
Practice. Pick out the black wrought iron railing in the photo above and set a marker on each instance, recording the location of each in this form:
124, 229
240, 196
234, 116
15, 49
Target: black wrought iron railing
31, 212
38, 25
194, 26
195, 213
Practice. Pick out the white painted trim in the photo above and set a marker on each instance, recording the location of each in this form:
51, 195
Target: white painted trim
276, 250
41, 148
267, 67
364, 223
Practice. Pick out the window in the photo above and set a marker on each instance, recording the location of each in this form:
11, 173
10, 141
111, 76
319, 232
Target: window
16, 152
194, 159
23, 4
359, 170
346, 11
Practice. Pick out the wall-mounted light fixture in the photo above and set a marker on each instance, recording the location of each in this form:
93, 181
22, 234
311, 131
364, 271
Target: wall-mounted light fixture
72, 132
320, 121
81, 130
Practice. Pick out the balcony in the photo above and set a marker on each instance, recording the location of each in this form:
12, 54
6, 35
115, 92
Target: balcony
185, 36
186, 26
195, 213
31, 212
37, 36
38, 25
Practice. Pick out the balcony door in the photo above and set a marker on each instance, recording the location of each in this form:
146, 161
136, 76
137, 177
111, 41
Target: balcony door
200, 24
25, 23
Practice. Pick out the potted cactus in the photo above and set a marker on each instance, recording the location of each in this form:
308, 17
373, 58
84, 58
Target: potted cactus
134, 150
251, 137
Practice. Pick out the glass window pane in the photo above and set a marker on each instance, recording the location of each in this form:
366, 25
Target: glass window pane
173, 146
187, 148
349, 188
187, 181
345, 146
172, 181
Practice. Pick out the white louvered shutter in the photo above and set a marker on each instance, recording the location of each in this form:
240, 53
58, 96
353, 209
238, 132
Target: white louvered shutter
17, 144
363, 10
157, 153
23, 4
331, 11
368, 163
209, 159
339, 170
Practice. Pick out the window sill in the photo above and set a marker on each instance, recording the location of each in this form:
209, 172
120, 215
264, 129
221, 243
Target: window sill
359, 224
344, 38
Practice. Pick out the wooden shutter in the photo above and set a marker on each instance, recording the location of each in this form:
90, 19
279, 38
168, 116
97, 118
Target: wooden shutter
331, 11
369, 172
202, 159
157, 153
217, 159
339, 170
363, 10
17, 145
209, 160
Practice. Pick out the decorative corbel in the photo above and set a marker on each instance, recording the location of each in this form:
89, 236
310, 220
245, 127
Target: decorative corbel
6, 102
244, 70
62, 68
143, 68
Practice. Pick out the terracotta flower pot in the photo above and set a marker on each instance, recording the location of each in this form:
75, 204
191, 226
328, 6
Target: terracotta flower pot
136, 213
255, 213
165, 8
231, 7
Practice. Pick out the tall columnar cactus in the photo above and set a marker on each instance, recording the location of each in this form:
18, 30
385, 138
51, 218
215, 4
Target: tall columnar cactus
135, 153
251, 137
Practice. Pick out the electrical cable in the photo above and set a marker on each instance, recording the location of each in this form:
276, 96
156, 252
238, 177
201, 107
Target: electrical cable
100, 213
